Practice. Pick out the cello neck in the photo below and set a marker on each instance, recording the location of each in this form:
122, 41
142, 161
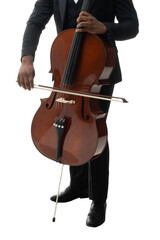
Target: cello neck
86, 5
70, 68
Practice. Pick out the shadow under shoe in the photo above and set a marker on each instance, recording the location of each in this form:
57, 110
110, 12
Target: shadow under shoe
70, 194
96, 215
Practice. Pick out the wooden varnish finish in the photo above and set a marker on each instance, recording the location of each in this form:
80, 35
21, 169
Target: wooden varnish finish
86, 132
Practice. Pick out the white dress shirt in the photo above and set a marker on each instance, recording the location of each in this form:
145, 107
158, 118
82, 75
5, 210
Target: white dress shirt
75, 1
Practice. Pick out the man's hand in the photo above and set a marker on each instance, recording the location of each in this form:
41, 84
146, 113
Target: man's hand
26, 73
88, 23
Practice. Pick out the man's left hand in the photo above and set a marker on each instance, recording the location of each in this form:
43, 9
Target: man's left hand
88, 23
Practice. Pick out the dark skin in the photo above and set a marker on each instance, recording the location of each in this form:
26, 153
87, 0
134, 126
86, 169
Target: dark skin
85, 23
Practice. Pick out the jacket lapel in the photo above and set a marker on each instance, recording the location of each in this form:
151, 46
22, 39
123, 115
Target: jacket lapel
62, 8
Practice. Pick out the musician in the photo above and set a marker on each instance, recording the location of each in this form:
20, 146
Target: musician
91, 179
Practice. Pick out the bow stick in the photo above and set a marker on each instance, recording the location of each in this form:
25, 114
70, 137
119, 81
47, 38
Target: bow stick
81, 94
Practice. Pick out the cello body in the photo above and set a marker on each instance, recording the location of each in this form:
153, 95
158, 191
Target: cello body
72, 129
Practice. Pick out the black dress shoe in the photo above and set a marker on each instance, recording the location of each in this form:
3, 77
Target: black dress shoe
69, 194
96, 215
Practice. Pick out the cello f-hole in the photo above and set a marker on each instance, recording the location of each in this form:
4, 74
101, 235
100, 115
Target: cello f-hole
50, 105
85, 117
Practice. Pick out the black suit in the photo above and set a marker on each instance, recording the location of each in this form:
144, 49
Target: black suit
105, 11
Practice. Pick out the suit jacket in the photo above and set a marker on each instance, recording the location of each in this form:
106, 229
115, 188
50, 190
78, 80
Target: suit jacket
104, 10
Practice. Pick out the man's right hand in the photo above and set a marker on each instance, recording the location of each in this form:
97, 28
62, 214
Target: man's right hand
26, 73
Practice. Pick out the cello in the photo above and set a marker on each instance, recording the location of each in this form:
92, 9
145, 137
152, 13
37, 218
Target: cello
69, 126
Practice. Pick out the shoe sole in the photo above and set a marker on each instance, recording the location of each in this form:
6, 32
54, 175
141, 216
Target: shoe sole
81, 197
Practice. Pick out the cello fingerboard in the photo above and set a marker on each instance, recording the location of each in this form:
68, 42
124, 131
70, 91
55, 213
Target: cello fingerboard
86, 5
70, 68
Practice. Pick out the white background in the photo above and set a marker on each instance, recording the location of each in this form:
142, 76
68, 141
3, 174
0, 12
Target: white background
27, 179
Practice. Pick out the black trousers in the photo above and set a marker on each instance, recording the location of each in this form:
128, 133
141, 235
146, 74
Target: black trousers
93, 176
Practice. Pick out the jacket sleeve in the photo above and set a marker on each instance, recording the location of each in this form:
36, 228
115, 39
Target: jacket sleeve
40, 16
127, 26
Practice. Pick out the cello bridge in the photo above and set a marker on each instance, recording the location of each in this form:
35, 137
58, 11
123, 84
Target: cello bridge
63, 100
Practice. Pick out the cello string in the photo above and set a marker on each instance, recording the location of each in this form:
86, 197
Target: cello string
68, 74
73, 55
70, 67
73, 60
